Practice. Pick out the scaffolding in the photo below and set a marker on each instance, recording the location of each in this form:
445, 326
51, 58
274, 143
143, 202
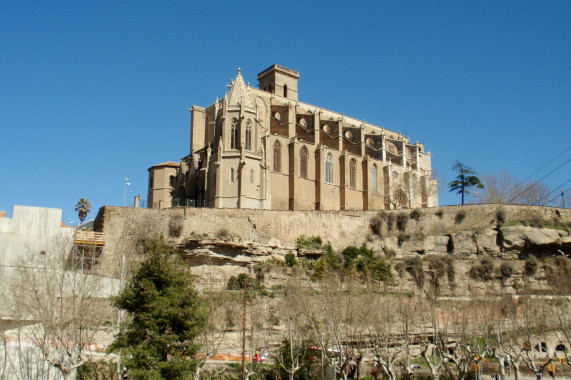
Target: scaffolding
87, 250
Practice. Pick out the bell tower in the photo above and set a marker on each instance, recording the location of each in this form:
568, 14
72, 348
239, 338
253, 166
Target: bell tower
279, 80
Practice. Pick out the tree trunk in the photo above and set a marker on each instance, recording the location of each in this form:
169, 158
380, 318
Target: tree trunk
197, 372
70, 375
501, 363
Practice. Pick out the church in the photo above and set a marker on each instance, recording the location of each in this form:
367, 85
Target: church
262, 148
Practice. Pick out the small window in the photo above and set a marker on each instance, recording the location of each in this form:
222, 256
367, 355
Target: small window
249, 134
303, 162
285, 90
353, 174
374, 179
251, 175
171, 181
277, 156
234, 134
328, 168
232, 175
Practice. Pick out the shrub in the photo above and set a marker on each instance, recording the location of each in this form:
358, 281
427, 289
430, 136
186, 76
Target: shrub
351, 252
311, 242
391, 221
223, 234
460, 216
176, 225
376, 225
531, 265
290, 259
501, 216
400, 267
402, 221
484, 270
413, 265
402, 238
237, 282
441, 265
506, 270
416, 214
389, 252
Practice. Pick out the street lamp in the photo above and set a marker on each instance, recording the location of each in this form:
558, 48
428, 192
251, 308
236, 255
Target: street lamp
125, 192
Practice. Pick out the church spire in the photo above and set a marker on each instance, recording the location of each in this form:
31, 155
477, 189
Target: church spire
239, 93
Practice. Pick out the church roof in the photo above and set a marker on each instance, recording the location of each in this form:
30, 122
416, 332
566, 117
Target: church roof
239, 93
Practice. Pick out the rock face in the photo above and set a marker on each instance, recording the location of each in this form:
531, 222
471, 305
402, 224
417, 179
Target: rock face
219, 243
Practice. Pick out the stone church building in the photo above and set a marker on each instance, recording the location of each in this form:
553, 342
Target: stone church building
261, 148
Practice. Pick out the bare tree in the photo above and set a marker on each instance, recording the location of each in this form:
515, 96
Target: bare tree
64, 304
291, 359
506, 188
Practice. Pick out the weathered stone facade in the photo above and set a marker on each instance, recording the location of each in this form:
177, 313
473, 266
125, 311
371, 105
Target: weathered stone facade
263, 149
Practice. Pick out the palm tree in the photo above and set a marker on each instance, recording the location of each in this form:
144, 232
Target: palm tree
466, 178
83, 207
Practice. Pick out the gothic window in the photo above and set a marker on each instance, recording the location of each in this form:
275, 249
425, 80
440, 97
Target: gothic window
234, 134
374, 179
232, 175
353, 174
277, 156
249, 134
328, 167
303, 162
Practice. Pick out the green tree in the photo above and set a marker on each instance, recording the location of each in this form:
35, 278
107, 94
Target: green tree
466, 179
83, 207
167, 317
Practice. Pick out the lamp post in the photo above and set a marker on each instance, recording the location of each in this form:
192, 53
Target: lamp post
125, 192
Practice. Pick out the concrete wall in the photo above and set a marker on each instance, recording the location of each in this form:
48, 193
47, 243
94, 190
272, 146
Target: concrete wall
281, 228
31, 229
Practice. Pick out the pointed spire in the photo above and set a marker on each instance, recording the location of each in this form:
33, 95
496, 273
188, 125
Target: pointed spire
239, 93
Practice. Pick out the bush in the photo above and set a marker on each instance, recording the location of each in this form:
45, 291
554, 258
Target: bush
402, 221
351, 252
176, 225
413, 265
531, 265
501, 216
506, 270
391, 221
440, 266
460, 216
402, 238
376, 224
484, 270
223, 234
311, 242
237, 282
389, 252
290, 259
416, 214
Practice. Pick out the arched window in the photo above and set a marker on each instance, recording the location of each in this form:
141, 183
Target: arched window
285, 90
234, 134
353, 174
277, 156
232, 175
328, 168
374, 179
303, 162
249, 134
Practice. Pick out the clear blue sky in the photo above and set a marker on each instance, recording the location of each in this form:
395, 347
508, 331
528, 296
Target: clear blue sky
93, 92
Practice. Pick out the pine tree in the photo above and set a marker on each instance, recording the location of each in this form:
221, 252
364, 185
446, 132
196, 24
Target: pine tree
167, 317
466, 178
